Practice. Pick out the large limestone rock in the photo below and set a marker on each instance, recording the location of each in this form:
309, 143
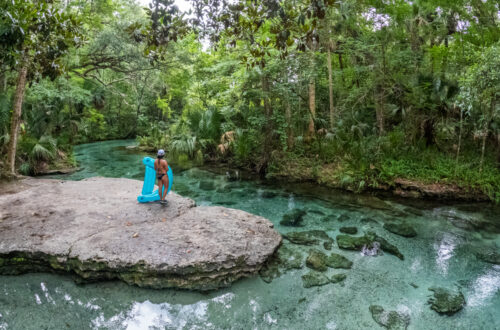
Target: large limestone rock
96, 230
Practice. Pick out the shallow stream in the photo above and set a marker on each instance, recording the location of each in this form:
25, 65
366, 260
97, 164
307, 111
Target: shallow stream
443, 254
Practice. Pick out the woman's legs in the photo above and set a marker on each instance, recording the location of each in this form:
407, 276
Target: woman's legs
165, 184
160, 186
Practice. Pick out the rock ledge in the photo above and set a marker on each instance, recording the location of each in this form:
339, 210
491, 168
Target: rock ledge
95, 230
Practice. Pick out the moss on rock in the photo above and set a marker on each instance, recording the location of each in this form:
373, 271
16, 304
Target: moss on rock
207, 185
338, 261
317, 260
284, 259
337, 278
314, 279
293, 218
445, 301
489, 256
349, 230
401, 229
391, 320
310, 237
357, 243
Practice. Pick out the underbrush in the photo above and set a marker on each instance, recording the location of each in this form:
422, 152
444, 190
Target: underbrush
378, 162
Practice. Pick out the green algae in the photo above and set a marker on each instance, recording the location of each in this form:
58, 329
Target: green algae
317, 260
391, 320
335, 260
445, 301
314, 278
293, 218
401, 229
367, 241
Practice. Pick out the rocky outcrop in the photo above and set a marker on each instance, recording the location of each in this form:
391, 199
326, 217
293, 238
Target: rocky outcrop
445, 301
293, 218
284, 259
95, 230
400, 228
310, 237
391, 320
314, 279
317, 260
349, 230
369, 241
338, 261
442, 191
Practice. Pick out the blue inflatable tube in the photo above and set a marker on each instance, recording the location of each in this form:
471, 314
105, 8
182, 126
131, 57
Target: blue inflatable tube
147, 194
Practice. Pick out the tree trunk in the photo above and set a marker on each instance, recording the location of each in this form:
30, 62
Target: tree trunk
312, 106
330, 87
379, 110
288, 117
380, 96
288, 114
268, 127
3, 80
265, 90
485, 134
483, 147
459, 140
16, 115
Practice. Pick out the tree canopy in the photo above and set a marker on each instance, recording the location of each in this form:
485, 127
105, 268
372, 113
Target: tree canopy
353, 94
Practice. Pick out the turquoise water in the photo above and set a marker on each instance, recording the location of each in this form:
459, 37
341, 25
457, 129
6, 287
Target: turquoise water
443, 254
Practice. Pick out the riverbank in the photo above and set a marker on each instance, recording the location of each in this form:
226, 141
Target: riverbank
433, 184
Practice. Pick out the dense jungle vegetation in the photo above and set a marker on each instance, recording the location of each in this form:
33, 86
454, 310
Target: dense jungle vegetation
354, 94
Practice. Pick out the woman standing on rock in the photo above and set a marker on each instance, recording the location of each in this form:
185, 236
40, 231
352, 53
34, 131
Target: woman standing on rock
161, 168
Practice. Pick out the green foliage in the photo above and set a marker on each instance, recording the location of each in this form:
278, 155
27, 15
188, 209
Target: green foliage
414, 87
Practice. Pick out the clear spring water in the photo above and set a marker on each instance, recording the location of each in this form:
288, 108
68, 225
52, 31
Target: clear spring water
441, 255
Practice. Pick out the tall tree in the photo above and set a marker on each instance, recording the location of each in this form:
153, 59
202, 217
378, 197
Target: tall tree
34, 35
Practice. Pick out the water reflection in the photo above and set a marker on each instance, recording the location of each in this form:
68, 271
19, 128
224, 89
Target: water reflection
445, 250
485, 287
147, 315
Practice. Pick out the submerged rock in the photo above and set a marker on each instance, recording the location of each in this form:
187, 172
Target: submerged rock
337, 278
349, 230
367, 241
79, 227
368, 220
293, 218
343, 217
314, 279
445, 301
268, 194
207, 185
401, 229
469, 221
338, 261
391, 320
315, 211
310, 237
317, 260
283, 260
489, 256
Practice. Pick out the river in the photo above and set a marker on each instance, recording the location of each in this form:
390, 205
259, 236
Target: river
443, 254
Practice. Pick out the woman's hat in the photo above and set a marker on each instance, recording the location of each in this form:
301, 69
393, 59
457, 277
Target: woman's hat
161, 152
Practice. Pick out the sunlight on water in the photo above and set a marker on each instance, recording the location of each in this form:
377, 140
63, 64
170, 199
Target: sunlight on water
441, 255
444, 250
485, 287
